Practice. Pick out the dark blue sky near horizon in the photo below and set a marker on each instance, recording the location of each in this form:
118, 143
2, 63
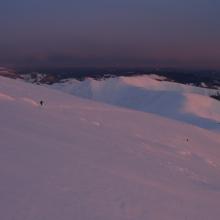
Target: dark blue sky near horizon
70, 33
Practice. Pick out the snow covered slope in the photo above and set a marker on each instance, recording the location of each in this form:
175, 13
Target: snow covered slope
180, 102
77, 159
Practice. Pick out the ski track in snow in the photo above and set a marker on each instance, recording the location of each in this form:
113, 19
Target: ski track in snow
6, 97
77, 159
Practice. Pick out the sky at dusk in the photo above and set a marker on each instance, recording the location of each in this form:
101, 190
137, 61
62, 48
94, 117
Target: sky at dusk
68, 33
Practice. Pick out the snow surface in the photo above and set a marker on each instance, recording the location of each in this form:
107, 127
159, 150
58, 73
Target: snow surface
77, 159
185, 103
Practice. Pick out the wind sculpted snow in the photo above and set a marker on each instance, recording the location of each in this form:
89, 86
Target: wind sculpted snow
185, 103
77, 159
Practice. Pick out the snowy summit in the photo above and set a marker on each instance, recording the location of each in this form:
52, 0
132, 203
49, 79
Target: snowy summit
155, 158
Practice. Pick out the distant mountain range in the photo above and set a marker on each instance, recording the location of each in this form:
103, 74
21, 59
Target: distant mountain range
205, 79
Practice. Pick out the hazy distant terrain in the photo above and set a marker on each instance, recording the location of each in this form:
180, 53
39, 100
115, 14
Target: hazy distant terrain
210, 79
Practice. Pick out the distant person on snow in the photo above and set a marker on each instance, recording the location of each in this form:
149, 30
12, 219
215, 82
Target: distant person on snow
41, 102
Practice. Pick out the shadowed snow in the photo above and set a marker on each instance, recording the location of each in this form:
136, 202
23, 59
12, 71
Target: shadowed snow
143, 93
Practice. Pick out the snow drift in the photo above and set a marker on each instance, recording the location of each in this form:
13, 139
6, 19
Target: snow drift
77, 159
185, 103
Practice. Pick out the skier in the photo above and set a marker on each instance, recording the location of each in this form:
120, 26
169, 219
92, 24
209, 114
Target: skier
41, 102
